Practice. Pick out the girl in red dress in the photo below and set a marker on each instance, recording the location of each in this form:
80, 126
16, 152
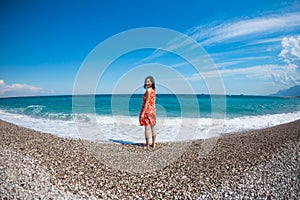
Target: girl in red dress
148, 112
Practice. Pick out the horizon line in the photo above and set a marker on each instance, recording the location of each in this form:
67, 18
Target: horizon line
204, 94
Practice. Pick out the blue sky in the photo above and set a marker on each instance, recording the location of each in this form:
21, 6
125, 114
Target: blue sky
254, 44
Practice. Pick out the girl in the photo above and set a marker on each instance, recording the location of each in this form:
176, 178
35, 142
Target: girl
148, 112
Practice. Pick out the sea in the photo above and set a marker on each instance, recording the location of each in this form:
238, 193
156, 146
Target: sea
114, 118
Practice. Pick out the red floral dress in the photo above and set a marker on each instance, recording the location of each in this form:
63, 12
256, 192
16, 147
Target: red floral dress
150, 113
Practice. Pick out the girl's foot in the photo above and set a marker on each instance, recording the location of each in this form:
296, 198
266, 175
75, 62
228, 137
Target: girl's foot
153, 146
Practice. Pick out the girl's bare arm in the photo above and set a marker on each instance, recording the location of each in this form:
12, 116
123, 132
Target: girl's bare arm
147, 101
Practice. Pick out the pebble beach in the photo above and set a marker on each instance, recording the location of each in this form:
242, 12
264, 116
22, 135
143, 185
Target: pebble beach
258, 164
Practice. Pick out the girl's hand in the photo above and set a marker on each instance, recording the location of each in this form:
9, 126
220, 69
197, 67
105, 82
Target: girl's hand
142, 116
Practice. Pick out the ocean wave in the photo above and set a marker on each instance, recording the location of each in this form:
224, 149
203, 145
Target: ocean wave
40, 111
100, 127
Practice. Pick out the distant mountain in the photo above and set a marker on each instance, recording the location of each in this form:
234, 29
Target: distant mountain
292, 91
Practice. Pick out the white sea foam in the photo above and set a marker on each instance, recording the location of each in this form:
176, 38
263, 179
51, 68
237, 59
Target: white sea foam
126, 129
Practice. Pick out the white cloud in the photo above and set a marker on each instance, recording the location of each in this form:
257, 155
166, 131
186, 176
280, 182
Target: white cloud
17, 89
286, 75
264, 41
225, 64
245, 28
254, 31
249, 71
290, 52
222, 64
259, 35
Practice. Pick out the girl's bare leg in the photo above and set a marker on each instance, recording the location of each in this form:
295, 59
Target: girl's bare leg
153, 130
147, 135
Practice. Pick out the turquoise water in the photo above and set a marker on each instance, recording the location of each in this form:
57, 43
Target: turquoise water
55, 114
60, 107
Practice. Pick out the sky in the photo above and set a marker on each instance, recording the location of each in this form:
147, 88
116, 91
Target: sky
254, 45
